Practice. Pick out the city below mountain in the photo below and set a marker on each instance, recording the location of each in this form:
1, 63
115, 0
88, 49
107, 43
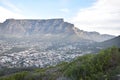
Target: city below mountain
33, 45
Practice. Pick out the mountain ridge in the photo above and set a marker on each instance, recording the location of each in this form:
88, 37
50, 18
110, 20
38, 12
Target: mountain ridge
111, 42
37, 27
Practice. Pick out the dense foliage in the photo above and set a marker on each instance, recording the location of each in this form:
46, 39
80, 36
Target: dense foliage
102, 66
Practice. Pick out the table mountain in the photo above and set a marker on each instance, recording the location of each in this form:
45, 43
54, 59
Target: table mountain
49, 27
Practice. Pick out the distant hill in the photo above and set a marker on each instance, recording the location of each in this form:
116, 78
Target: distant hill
112, 42
47, 28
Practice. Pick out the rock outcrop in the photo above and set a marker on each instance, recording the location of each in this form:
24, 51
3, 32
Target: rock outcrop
29, 27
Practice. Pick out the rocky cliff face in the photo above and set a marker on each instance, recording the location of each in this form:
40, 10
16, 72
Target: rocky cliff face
95, 36
29, 27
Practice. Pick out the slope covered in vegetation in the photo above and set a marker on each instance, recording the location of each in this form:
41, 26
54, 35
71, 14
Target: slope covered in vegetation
102, 66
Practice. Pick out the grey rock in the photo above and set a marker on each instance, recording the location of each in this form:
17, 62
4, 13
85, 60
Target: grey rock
42, 27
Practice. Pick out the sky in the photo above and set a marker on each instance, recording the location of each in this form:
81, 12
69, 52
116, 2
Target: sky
102, 16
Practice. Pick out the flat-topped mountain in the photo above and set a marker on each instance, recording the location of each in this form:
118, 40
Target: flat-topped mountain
30, 27
38, 27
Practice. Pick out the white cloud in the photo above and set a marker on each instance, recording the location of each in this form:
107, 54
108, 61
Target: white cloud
8, 10
10, 5
5, 14
103, 16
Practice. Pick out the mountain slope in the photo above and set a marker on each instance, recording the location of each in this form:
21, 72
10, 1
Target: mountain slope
49, 27
112, 42
95, 36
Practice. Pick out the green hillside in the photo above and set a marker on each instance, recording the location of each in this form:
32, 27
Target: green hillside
102, 66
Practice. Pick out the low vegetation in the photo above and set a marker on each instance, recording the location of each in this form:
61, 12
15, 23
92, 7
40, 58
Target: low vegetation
102, 66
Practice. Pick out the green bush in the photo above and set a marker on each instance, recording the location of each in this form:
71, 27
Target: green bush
95, 67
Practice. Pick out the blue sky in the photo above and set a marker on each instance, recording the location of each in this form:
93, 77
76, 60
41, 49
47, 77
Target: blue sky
89, 15
47, 8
